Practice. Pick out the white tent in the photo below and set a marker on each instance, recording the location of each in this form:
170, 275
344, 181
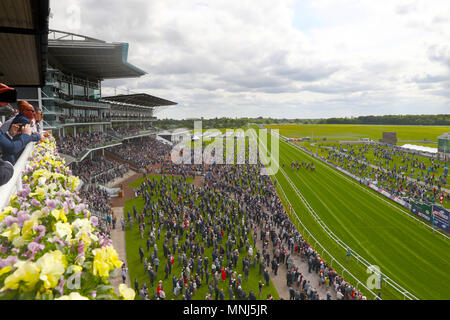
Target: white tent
419, 148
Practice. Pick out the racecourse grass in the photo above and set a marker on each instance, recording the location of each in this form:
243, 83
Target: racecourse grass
136, 268
319, 149
355, 132
405, 250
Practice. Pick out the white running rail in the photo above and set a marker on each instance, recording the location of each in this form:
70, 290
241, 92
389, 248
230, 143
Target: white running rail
342, 244
374, 194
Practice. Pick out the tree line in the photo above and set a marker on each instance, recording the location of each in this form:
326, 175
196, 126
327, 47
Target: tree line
421, 120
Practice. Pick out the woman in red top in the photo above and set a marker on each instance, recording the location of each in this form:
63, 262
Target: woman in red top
159, 287
224, 275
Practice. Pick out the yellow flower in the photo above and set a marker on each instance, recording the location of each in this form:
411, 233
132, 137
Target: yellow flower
59, 214
40, 192
73, 296
57, 175
63, 230
125, 292
13, 199
5, 212
5, 270
85, 238
74, 269
74, 181
41, 173
113, 257
52, 265
27, 229
25, 178
26, 275
105, 260
12, 232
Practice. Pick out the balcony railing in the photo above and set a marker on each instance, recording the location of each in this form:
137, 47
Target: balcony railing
82, 103
15, 183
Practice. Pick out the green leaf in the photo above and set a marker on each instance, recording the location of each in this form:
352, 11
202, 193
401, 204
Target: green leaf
105, 288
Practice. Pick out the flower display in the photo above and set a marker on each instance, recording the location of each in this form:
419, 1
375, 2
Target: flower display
125, 292
50, 246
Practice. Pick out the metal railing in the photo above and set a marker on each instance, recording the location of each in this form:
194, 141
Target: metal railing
319, 248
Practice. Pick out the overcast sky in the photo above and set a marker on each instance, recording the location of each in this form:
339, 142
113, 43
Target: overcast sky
290, 59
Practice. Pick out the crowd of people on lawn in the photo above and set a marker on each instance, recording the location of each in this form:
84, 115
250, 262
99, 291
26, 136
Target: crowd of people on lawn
217, 236
407, 176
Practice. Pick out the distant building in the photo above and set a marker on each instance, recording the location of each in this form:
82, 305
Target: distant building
389, 138
444, 146
444, 143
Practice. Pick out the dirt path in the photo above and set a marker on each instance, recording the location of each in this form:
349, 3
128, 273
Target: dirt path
118, 239
117, 235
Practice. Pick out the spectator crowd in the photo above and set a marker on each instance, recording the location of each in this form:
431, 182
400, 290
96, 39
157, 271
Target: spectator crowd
219, 236
407, 176
75, 145
142, 152
99, 170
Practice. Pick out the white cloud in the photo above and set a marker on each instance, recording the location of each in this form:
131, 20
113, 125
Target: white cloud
249, 57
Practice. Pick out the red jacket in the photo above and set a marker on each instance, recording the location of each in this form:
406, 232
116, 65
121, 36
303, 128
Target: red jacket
224, 275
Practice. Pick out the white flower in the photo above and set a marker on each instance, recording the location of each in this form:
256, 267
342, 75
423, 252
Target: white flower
41, 181
63, 230
82, 226
73, 296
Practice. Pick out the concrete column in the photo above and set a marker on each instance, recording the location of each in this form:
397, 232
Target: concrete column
74, 131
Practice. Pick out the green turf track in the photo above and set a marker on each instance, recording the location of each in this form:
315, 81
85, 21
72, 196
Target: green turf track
404, 249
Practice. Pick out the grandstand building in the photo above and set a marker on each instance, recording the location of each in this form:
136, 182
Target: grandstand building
444, 146
72, 99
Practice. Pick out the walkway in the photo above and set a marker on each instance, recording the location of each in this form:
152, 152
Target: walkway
118, 239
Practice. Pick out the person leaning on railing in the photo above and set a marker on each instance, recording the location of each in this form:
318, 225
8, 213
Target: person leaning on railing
11, 142
16, 138
18, 130
7, 95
